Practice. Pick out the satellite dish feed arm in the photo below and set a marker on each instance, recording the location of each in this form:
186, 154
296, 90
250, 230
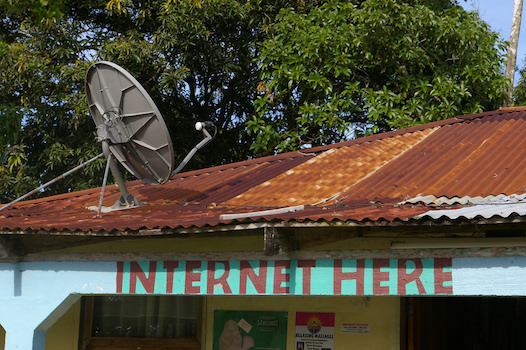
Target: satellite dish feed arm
199, 126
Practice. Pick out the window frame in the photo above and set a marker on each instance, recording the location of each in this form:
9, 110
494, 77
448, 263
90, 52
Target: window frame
89, 342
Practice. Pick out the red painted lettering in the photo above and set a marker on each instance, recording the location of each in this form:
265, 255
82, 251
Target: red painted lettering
380, 276
280, 277
120, 272
340, 276
191, 277
136, 273
442, 276
212, 281
247, 272
170, 266
405, 278
306, 266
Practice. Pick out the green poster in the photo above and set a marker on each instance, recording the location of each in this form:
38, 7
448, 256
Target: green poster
250, 330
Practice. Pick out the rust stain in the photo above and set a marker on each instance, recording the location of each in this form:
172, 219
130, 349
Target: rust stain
331, 175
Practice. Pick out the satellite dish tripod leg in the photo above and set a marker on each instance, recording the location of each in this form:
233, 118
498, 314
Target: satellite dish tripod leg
103, 189
126, 200
51, 182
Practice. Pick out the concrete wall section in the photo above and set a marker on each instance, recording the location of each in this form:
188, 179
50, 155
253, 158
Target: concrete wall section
490, 276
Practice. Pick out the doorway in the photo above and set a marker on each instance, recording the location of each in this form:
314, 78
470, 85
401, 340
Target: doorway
467, 323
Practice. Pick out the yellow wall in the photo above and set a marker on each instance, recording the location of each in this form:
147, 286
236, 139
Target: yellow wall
64, 334
381, 313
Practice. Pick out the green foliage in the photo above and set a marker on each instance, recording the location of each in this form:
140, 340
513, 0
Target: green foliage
14, 180
271, 74
10, 124
44, 11
519, 93
42, 101
196, 58
346, 68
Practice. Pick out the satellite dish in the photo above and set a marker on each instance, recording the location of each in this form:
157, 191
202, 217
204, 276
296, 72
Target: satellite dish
131, 131
128, 120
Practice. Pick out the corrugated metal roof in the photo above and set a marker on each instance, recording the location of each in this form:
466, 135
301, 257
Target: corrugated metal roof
396, 176
472, 207
334, 174
467, 200
486, 211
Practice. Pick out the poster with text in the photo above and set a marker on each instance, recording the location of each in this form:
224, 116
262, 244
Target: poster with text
250, 330
314, 331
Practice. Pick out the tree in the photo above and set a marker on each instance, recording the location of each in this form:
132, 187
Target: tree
195, 58
512, 49
41, 77
344, 69
291, 72
519, 92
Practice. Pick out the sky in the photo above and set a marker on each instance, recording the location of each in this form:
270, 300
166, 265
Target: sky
498, 14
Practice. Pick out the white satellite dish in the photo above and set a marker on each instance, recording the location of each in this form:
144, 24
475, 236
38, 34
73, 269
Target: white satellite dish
131, 131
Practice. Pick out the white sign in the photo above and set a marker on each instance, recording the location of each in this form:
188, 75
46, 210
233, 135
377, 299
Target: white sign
355, 328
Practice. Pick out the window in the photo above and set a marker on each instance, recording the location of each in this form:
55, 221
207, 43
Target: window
148, 322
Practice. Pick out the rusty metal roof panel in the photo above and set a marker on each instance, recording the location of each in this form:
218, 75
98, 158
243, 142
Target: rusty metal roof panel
478, 157
364, 213
329, 176
376, 178
173, 204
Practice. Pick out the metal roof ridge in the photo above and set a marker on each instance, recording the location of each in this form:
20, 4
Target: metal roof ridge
410, 129
512, 109
275, 157
227, 217
320, 149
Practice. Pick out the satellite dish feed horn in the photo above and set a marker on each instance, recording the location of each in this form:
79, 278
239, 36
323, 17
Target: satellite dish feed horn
131, 129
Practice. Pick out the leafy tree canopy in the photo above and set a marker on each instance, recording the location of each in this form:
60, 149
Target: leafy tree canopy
196, 58
346, 68
519, 92
271, 74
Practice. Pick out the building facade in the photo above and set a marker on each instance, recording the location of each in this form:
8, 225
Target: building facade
413, 239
